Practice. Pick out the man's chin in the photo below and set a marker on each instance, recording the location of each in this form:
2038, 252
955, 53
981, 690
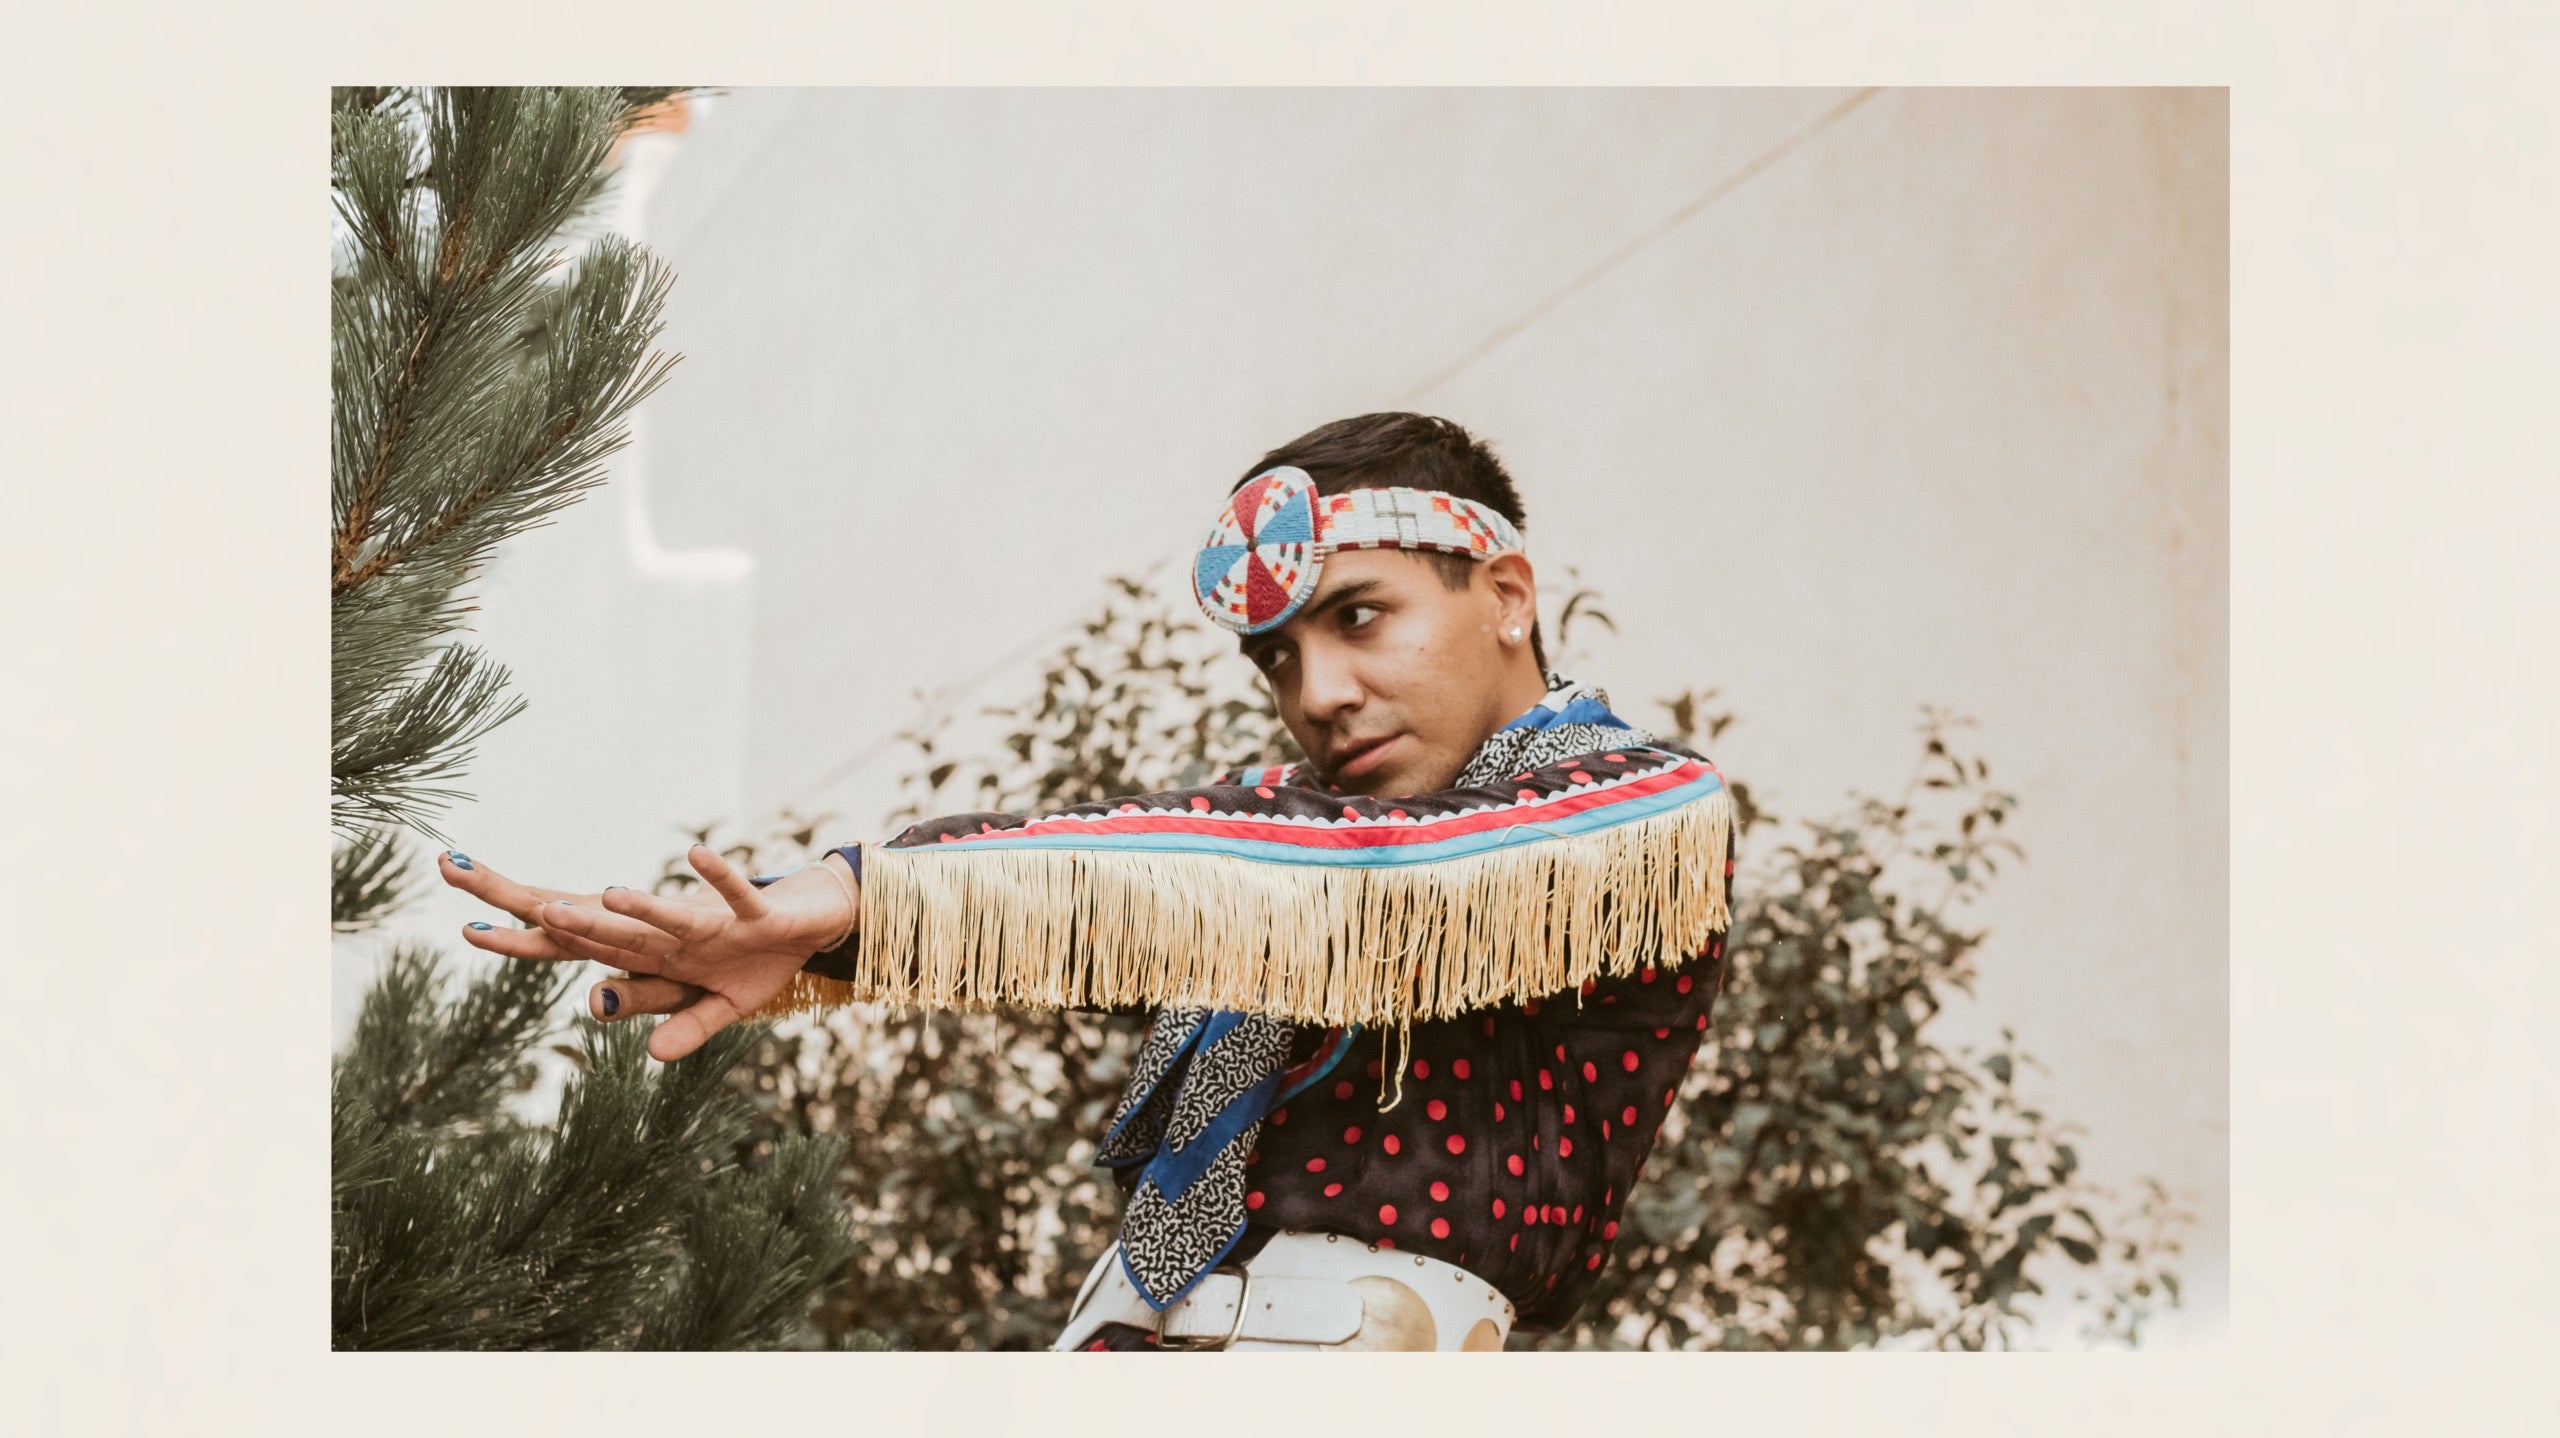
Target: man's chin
1398, 781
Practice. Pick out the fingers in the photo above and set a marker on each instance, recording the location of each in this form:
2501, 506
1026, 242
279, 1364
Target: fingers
727, 882
495, 889
626, 995
693, 1026
554, 919
650, 945
514, 943
684, 921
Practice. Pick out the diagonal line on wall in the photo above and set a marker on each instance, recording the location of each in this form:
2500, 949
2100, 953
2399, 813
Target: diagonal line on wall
959, 689
1633, 247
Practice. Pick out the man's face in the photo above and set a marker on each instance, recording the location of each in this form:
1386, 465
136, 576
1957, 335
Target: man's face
1389, 679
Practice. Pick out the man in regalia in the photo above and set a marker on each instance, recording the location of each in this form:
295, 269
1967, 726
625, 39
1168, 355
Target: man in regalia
1421, 1000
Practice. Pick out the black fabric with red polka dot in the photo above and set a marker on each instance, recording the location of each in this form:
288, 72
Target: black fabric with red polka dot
1519, 1135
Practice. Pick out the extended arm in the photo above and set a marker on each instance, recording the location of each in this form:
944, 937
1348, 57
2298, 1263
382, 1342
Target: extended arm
1300, 902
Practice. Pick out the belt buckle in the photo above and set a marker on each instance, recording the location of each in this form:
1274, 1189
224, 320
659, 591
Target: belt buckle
1235, 1329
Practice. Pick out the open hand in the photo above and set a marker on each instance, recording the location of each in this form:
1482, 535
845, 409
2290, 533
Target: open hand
707, 960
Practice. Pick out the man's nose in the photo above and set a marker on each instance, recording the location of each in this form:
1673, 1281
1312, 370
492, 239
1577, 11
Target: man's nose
1328, 688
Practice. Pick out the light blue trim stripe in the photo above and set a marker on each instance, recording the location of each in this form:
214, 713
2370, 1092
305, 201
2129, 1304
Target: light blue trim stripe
1269, 851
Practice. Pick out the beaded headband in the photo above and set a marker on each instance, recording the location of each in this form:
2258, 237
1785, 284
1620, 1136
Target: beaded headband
1262, 558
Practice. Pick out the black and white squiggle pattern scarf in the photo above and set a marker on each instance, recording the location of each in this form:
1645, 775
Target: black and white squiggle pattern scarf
1204, 1079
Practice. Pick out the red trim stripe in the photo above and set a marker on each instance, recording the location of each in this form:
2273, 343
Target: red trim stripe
1382, 834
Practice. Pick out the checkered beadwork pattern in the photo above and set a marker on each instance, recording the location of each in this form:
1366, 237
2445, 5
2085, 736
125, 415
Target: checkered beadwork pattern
1412, 519
1263, 556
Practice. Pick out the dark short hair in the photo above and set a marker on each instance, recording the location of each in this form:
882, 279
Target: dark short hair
1417, 451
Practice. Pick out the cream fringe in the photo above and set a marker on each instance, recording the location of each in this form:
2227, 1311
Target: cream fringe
1059, 928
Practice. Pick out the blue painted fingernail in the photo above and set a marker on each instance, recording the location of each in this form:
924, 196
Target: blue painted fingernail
611, 1001
460, 859
484, 928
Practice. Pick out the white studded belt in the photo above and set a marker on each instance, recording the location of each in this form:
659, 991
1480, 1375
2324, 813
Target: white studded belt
1306, 1292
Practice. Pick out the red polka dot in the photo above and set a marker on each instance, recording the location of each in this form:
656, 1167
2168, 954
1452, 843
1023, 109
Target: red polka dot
1615, 758
1604, 1128
1551, 1280
1645, 975
1439, 1193
1457, 1143
1497, 1208
1515, 1243
1589, 985
1594, 1263
1200, 804
1422, 1068
1333, 1190
1386, 1213
1393, 1144
1533, 1143
1315, 1165
1662, 1033
1515, 1090
1668, 1095
1579, 777
1460, 1068
1629, 1061
1568, 1113
1376, 1068
1351, 1134
1590, 1073
1342, 1089
1555, 1213
1529, 1216
1437, 1110
950, 838
1530, 1008
1279, 1115
1497, 1110
1128, 808
1610, 1232
1560, 1056
1516, 1166
1350, 813
1264, 792
1527, 795
1564, 1148
1577, 1213
1629, 1117
1386, 1243
1253, 1199
1253, 1155
1395, 813
1684, 983
1546, 1080
1439, 1228
1097, 1346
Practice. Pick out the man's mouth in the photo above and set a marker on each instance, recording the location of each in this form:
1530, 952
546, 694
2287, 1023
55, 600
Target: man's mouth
1352, 760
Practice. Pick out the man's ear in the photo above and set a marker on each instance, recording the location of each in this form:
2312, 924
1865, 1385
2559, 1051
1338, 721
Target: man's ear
1513, 583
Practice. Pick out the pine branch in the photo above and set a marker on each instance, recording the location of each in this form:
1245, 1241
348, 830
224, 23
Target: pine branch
369, 876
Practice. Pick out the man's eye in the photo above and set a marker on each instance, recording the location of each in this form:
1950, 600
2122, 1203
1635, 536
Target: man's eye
1355, 615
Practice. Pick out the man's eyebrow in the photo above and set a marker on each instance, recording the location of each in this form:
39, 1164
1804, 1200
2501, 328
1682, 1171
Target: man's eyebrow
1254, 646
1356, 589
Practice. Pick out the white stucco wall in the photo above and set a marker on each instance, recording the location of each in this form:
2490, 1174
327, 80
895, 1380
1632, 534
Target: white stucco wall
1847, 403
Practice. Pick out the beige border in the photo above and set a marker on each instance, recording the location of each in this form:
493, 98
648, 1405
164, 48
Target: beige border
165, 389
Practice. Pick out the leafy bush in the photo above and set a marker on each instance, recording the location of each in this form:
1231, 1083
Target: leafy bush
1833, 1177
